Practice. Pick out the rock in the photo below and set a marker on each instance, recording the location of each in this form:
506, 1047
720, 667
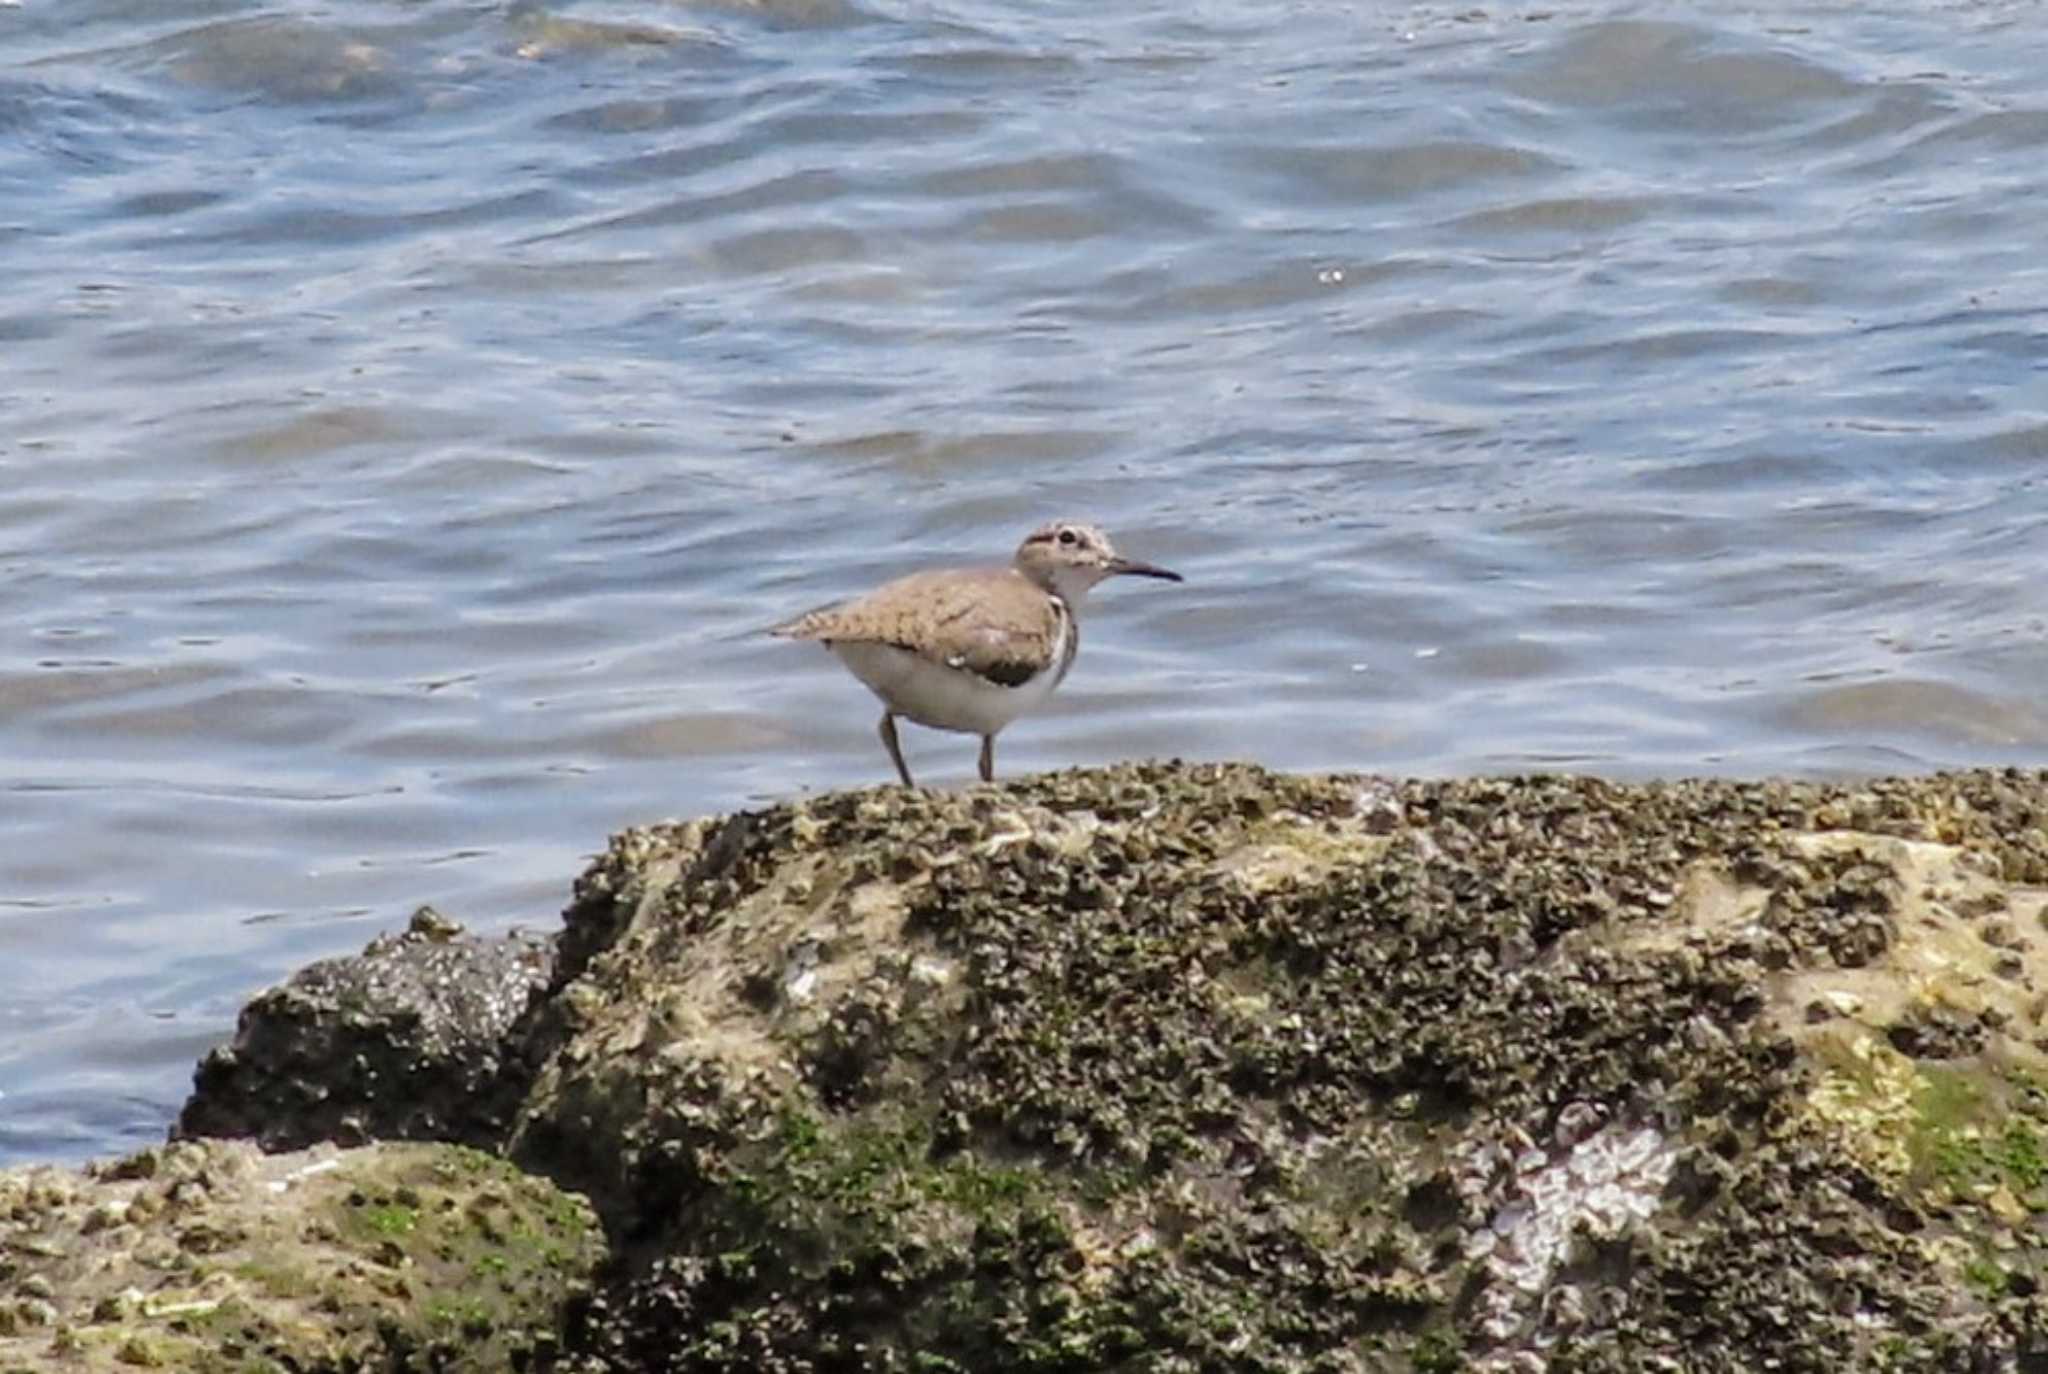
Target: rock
1202, 1067
406, 1041
391, 1257
1212, 1068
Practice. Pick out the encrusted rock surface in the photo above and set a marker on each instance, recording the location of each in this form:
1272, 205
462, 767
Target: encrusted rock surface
1172, 1068
213, 1257
405, 1041
1184, 1068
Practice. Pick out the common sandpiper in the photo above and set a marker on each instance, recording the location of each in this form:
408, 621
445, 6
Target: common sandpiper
972, 649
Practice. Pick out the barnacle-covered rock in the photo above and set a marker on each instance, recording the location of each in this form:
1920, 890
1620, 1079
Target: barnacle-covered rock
211, 1256
407, 1040
1207, 1067
1203, 1067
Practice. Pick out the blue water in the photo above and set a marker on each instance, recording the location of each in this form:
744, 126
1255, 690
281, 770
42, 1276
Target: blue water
411, 414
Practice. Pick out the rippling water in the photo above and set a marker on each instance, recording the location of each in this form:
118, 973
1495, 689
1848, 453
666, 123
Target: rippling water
411, 413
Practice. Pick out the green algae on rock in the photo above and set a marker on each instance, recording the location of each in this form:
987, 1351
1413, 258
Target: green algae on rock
1177, 1067
212, 1257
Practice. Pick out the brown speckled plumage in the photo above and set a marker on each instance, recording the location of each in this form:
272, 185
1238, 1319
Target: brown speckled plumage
990, 621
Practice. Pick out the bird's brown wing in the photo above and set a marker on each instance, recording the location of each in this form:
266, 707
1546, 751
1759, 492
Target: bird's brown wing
990, 622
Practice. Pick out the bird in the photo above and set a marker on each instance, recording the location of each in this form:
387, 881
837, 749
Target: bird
972, 649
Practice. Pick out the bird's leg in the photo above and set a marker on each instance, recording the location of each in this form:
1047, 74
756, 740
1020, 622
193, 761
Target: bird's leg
895, 749
988, 758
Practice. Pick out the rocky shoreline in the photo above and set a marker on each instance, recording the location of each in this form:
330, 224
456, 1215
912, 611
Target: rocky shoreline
1160, 1067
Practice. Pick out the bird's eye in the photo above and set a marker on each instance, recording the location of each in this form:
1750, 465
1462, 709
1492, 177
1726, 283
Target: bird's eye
1066, 536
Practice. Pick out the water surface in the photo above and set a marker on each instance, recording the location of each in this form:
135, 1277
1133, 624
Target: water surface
412, 413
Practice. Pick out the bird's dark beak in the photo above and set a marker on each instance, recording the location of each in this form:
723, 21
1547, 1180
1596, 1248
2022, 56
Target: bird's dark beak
1139, 568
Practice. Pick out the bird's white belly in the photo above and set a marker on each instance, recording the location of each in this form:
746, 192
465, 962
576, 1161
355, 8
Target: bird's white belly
941, 697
